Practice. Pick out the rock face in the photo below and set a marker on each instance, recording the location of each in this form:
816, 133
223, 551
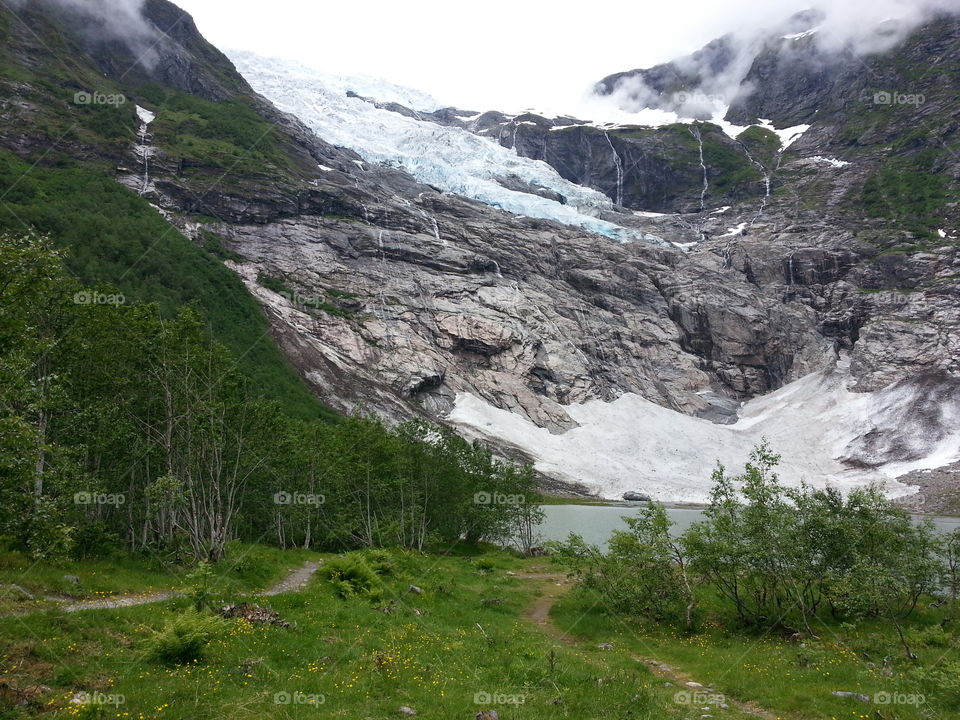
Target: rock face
390, 296
655, 169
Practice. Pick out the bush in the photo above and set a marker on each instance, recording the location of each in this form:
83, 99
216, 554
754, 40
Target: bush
183, 638
933, 636
484, 564
352, 576
93, 541
382, 562
644, 573
201, 586
942, 682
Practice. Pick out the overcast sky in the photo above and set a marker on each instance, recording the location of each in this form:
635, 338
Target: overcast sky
507, 56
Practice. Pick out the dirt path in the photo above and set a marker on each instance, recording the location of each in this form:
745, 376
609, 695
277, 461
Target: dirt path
119, 601
297, 580
554, 585
294, 581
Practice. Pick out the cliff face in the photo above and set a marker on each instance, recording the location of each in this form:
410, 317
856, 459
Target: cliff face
389, 295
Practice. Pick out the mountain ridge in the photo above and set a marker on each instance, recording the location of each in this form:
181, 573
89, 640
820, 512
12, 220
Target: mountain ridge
389, 295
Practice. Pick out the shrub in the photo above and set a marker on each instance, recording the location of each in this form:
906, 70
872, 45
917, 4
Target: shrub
90, 541
201, 586
382, 562
484, 564
183, 638
942, 681
352, 576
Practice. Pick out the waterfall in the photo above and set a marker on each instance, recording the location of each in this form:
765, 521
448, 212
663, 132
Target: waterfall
383, 300
434, 225
618, 164
144, 149
766, 182
695, 131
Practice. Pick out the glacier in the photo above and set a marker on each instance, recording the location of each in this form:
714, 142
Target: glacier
452, 159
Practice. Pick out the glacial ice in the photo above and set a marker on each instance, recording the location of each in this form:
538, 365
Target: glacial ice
451, 159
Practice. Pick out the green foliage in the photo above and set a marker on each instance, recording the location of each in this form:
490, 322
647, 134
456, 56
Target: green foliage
485, 564
272, 283
95, 540
184, 638
214, 245
351, 576
644, 572
940, 682
762, 143
200, 586
909, 190
118, 402
111, 122
729, 170
112, 236
385, 563
366, 663
229, 134
772, 556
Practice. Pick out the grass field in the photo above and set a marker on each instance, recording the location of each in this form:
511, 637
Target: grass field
475, 635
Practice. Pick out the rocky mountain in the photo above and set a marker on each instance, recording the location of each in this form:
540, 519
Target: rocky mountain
807, 290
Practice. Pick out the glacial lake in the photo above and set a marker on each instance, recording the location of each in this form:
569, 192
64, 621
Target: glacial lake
596, 522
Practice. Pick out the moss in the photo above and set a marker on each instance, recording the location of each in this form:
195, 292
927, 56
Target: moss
272, 283
763, 144
341, 294
229, 135
915, 199
214, 245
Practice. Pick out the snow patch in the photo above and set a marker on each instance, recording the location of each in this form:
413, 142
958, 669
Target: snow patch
325, 168
146, 117
720, 211
814, 422
797, 36
734, 231
788, 135
829, 161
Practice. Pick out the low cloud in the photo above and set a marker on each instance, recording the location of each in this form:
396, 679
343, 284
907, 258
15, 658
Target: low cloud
709, 79
104, 21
